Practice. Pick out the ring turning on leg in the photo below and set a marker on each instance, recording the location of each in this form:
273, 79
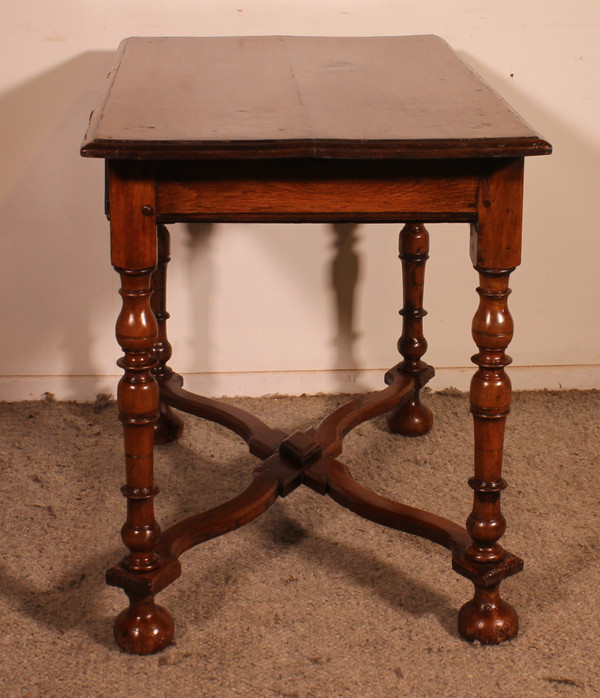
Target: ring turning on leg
413, 418
143, 627
487, 617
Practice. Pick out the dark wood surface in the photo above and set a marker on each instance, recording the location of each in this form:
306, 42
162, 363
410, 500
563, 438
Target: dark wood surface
363, 97
308, 129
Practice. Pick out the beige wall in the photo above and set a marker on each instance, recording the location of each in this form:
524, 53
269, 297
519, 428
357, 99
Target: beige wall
253, 307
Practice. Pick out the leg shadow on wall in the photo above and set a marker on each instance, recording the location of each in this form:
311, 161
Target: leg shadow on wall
199, 275
345, 276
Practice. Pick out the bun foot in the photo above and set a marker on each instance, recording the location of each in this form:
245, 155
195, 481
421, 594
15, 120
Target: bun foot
487, 618
144, 627
412, 418
169, 426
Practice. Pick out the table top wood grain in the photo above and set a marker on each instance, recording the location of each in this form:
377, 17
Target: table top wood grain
301, 97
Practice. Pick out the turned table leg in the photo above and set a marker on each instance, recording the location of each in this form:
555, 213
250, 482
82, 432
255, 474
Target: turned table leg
169, 425
495, 252
143, 627
413, 418
487, 617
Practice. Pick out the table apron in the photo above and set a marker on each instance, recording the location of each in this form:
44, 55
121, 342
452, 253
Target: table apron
297, 200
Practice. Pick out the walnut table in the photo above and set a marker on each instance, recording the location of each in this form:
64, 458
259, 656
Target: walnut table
294, 129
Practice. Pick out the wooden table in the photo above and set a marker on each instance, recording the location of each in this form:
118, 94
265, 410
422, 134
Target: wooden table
294, 129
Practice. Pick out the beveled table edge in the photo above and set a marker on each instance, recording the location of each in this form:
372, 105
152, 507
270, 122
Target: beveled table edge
322, 149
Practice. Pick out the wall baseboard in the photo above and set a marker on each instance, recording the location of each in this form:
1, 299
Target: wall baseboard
86, 388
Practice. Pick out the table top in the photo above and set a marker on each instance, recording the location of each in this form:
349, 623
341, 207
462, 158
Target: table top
301, 97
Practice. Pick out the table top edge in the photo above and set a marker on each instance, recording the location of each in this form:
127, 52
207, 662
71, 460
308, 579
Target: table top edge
334, 148
95, 145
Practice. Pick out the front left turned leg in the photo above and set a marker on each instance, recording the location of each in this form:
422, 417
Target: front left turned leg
143, 627
412, 418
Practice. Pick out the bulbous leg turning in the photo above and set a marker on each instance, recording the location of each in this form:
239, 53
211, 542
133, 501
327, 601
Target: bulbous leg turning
413, 418
487, 618
144, 627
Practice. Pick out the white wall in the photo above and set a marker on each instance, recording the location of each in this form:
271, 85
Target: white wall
274, 329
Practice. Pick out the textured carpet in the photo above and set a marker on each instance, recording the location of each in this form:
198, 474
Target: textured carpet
308, 600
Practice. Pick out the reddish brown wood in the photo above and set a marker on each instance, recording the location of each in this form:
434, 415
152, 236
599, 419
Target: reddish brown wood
138, 400
412, 418
308, 97
132, 206
496, 231
262, 440
331, 431
317, 190
239, 511
342, 488
496, 250
307, 129
144, 627
169, 425
487, 618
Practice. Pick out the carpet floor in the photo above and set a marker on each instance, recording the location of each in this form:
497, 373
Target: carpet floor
308, 600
